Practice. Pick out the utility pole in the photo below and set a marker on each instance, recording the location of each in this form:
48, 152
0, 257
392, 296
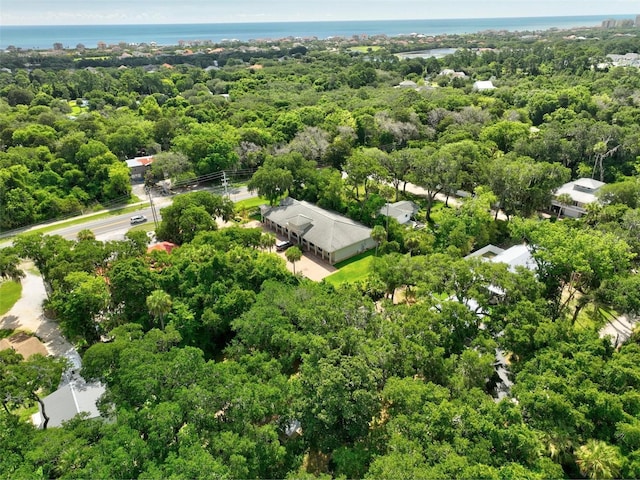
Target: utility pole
153, 208
225, 183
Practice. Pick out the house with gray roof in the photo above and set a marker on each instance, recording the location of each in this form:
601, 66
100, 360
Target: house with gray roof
75, 397
402, 211
582, 192
326, 234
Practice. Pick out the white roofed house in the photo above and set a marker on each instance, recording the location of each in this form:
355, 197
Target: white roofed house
326, 234
403, 211
483, 85
581, 191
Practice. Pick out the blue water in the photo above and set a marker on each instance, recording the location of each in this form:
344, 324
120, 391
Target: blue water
43, 37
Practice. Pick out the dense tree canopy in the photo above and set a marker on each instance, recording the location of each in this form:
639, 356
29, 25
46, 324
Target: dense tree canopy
218, 362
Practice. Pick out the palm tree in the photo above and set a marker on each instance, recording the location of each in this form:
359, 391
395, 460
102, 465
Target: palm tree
293, 254
267, 240
9, 262
85, 234
559, 446
379, 235
564, 200
159, 304
597, 459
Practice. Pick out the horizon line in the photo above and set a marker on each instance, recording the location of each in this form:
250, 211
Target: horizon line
603, 16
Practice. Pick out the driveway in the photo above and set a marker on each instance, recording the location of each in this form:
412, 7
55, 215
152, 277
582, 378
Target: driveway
27, 314
310, 266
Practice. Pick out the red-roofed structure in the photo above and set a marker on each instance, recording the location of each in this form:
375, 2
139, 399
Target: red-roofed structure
138, 165
166, 246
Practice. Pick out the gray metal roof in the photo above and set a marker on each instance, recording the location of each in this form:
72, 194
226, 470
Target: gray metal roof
327, 230
399, 208
66, 402
576, 190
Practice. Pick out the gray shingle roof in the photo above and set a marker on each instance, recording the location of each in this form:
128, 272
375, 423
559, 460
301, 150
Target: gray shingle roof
328, 230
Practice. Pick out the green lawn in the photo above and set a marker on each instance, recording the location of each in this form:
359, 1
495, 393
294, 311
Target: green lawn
365, 48
250, 203
10, 293
147, 226
352, 270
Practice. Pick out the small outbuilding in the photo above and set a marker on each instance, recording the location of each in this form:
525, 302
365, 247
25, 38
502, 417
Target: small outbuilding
138, 166
483, 86
403, 211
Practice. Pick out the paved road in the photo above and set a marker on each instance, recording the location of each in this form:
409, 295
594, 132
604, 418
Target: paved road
114, 228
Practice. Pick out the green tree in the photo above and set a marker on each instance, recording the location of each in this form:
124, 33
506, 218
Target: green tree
24, 382
379, 235
10, 265
596, 459
159, 304
81, 302
363, 167
293, 255
271, 183
192, 213
564, 199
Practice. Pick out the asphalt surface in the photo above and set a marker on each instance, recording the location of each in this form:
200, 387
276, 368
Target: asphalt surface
115, 227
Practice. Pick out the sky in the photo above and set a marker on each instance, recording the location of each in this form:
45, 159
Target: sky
105, 12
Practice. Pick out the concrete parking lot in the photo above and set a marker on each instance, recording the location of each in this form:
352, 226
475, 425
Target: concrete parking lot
310, 266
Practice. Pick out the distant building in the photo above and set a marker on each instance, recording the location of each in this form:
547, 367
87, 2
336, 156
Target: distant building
483, 85
407, 84
630, 59
326, 234
582, 192
447, 72
162, 246
516, 256
624, 23
138, 166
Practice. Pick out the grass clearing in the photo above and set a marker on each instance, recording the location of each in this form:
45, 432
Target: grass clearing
250, 203
10, 293
354, 269
365, 48
147, 226
592, 318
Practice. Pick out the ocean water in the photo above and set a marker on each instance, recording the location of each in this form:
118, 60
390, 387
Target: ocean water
43, 37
